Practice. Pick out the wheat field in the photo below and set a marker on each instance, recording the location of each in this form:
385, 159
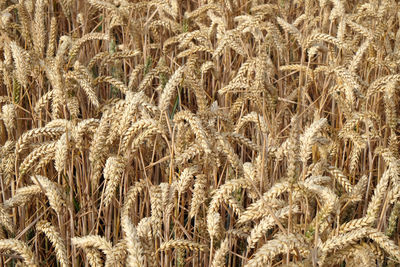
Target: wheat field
199, 133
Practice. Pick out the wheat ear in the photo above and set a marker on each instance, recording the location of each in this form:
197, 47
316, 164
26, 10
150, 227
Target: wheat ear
21, 248
52, 191
183, 244
112, 174
219, 257
22, 196
55, 238
5, 220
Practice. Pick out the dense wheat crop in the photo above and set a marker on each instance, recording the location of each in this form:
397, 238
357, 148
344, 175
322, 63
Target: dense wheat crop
199, 133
